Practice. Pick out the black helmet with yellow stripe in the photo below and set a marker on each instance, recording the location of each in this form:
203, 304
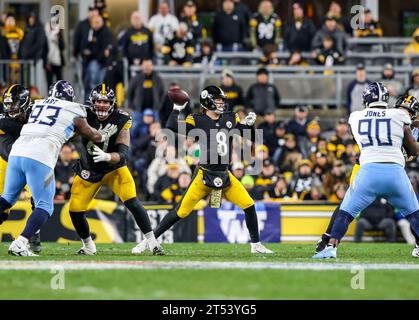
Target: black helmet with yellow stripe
16, 101
410, 103
102, 93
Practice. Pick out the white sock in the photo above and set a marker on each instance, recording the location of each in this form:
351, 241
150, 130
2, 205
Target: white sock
150, 236
88, 242
22, 239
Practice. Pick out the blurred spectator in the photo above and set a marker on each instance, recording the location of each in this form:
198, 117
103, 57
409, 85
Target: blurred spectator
288, 156
330, 29
316, 194
378, 217
166, 180
206, 54
299, 31
355, 89
268, 127
196, 30
179, 49
244, 14
141, 126
96, 53
339, 190
308, 142
64, 173
33, 43
280, 190
228, 29
296, 59
14, 36
327, 54
158, 167
102, 7
237, 169
163, 25
270, 55
137, 42
265, 182
337, 142
413, 47
248, 183
82, 34
146, 89
53, 51
335, 10
175, 192
265, 26
368, 27
394, 86
298, 125
302, 182
233, 91
262, 95
338, 174
321, 165
413, 90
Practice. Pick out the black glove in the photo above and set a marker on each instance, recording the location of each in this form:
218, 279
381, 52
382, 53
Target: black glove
3, 217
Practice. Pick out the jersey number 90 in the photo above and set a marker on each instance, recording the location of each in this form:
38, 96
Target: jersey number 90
365, 128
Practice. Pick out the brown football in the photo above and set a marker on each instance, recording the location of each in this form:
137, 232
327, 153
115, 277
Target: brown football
178, 96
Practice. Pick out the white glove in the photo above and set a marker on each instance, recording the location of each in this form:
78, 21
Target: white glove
250, 119
179, 107
100, 156
108, 131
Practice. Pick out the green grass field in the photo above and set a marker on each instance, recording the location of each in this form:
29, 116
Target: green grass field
192, 271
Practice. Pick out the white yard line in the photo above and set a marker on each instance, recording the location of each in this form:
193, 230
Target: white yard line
147, 265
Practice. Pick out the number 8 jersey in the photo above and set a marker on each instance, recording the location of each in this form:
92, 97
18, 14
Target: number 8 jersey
379, 134
50, 125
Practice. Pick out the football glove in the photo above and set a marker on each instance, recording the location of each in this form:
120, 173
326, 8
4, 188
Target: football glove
250, 119
180, 107
100, 156
108, 131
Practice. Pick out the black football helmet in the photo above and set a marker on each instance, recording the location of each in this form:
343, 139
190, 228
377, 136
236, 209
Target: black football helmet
16, 101
102, 93
410, 103
208, 97
62, 90
375, 94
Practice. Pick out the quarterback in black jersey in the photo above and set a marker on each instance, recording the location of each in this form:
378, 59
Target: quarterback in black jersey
106, 163
17, 105
212, 173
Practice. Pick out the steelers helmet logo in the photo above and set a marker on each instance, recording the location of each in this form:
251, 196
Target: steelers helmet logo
218, 182
85, 174
229, 124
204, 94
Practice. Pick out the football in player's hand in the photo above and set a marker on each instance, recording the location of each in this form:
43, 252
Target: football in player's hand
178, 96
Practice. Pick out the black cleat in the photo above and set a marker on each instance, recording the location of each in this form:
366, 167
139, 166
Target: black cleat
35, 243
158, 251
322, 243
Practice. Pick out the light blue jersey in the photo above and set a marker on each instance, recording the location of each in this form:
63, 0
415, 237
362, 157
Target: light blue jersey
379, 134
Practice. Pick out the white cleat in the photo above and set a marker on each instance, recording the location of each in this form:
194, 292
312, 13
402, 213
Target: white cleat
155, 247
415, 252
87, 251
140, 248
20, 249
259, 248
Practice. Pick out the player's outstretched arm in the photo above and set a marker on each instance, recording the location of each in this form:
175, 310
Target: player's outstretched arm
83, 128
122, 144
409, 143
173, 120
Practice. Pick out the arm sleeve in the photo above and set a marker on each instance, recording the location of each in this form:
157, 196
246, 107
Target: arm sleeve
172, 122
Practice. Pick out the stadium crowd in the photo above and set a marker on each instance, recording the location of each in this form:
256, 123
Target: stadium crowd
301, 160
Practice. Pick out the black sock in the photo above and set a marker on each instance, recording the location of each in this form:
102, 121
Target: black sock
252, 223
332, 219
140, 215
80, 224
343, 220
168, 221
415, 235
35, 222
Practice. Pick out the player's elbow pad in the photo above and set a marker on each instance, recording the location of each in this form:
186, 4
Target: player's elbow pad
123, 150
